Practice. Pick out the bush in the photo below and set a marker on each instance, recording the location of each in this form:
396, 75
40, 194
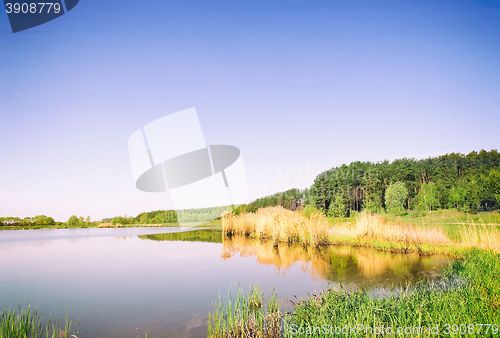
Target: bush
396, 196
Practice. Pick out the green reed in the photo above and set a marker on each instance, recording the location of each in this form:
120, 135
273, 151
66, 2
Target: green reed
245, 315
465, 301
27, 323
467, 296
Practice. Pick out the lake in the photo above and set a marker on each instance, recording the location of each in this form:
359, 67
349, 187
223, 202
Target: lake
127, 282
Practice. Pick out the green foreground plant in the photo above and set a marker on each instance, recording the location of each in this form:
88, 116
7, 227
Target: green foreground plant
24, 323
245, 316
465, 301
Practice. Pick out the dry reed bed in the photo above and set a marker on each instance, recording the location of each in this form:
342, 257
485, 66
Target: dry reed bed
284, 226
279, 225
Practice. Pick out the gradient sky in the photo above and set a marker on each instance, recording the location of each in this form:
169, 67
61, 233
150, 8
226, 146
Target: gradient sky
298, 86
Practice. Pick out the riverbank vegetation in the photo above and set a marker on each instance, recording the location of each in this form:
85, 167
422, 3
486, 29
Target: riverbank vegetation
245, 315
468, 183
464, 301
23, 323
280, 225
468, 293
158, 218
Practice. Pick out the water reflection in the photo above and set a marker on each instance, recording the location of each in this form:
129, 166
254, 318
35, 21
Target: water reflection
353, 266
339, 263
166, 284
205, 235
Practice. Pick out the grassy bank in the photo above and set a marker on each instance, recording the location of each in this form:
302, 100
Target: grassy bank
381, 232
468, 293
23, 323
465, 301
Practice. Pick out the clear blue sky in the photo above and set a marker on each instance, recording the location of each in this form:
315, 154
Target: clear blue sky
299, 86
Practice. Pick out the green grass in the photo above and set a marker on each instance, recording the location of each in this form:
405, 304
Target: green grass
27, 323
245, 316
465, 301
452, 220
423, 249
468, 293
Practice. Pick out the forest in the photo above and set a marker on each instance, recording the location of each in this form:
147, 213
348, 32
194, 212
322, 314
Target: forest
468, 182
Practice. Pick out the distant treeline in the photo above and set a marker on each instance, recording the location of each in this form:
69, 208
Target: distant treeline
42, 220
169, 216
468, 182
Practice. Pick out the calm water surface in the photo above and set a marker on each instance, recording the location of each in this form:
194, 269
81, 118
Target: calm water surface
128, 282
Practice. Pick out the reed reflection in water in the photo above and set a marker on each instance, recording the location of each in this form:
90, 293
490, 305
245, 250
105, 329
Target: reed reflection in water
351, 266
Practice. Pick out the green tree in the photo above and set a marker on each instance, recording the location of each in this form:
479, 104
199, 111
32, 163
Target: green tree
121, 220
427, 197
43, 220
456, 197
73, 220
338, 207
489, 190
373, 188
396, 196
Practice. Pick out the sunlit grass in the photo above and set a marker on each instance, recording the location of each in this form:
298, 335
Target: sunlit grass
278, 225
381, 232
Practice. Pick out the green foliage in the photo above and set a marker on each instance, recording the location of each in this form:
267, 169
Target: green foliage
43, 220
309, 210
467, 293
291, 199
457, 196
73, 221
201, 214
468, 182
122, 220
156, 217
239, 209
338, 207
245, 315
27, 323
396, 196
427, 197
373, 191
37, 221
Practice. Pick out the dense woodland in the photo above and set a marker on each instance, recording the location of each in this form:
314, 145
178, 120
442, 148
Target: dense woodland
467, 182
